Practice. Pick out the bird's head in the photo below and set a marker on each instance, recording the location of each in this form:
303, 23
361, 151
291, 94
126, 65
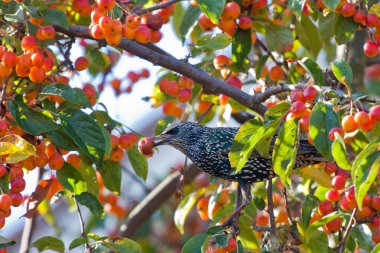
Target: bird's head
179, 135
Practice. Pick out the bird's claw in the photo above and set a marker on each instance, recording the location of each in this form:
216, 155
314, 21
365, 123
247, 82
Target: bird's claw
231, 225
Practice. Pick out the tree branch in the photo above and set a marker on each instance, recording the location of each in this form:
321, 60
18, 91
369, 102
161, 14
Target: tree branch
154, 200
181, 67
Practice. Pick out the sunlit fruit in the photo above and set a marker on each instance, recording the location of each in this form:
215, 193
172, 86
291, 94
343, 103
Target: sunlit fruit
145, 146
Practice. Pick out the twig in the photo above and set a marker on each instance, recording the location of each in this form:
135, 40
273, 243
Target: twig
272, 219
82, 225
157, 7
266, 49
287, 207
198, 75
347, 232
282, 87
154, 200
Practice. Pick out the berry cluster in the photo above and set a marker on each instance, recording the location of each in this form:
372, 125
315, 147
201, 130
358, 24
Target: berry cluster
141, 28
180, 90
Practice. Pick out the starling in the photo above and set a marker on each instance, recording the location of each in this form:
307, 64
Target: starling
208, 149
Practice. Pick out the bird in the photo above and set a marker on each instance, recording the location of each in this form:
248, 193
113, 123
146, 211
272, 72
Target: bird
209, 147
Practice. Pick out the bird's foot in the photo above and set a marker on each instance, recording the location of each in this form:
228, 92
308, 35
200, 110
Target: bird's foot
231, 225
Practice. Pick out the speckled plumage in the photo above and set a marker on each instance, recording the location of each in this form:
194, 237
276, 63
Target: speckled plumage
208, 149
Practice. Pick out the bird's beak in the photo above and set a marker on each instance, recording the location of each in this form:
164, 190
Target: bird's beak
162, 139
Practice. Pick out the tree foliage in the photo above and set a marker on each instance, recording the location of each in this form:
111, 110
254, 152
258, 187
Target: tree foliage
277, 67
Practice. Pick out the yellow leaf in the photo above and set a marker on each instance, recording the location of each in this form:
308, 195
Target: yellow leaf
317, 173
16, 148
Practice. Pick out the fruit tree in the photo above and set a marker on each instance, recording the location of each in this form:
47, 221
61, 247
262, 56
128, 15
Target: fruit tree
300, 77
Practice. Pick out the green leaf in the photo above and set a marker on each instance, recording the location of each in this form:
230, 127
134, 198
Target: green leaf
260, 64
249, 147
111, 174
107, 141
221, 240
163, 123
248, 236
189, 18
313, 69
4, 183
56, 17
86, 133
241, 45
344, 29
177, 17
71, 179
31, 121
342, 71
104, 119
365, 169
121, 246
376, 249
74, 96
91, 202
194, 244
362, 237
278, 38
89, 175
318, 242
214, 41
297, 7
331, 4
49, 243
307, 34
326, 27
322, 119
241, 139
272, 119
184, 208
215, 230
212, 9
259, 203
285, 151
77, 242
62, 140
339, 153
138, 162
96, 59
308, 205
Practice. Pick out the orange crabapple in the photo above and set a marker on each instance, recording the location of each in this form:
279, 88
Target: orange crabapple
205, 23
276, 73
231, 11
81, 63
117, 154
56, 161
127, 140
142, 34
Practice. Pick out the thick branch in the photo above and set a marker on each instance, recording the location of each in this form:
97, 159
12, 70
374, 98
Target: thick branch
154, 200
181, 67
